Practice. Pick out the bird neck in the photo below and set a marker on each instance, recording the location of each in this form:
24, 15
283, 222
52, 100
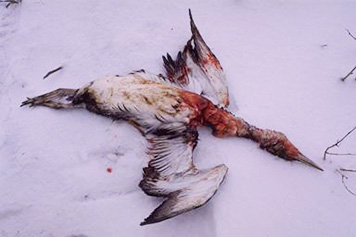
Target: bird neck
225, 124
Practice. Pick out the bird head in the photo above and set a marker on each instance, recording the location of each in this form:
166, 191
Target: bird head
278, 144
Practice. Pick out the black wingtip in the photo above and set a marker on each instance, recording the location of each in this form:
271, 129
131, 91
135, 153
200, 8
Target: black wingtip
170, 59
149, 220
143, 223
192, 23
194, 29
164, 59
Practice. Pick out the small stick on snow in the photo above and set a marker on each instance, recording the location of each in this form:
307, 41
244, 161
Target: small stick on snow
53, 71
343, 177
351, 34
341, 154
11, 2
349, 74
337, 143
347, 170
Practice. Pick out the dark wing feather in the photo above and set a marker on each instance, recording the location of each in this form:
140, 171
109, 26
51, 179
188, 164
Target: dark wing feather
197, 69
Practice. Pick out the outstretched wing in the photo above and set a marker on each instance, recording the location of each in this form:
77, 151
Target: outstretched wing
171, 173
197, 69
171, 149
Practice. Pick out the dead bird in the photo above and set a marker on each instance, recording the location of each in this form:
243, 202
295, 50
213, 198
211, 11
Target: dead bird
168, 110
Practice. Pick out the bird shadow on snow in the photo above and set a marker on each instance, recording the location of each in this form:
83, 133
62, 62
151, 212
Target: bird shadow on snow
8, 213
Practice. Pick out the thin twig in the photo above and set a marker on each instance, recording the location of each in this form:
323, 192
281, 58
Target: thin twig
351, 34
53, 71
338, 142
349, 74
343, 177
341, 154
11, 2
347, 170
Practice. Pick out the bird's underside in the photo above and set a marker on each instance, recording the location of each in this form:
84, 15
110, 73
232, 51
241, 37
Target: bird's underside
168, 110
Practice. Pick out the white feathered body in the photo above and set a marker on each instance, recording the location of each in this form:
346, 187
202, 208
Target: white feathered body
143, 98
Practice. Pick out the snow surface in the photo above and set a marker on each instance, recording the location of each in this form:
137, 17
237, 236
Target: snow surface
283, 61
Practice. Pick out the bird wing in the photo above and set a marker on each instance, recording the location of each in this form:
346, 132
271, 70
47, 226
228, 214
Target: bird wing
171, 174
197, 69
170, 148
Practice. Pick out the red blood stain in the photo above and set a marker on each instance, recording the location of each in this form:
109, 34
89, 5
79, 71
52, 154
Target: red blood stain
109, 170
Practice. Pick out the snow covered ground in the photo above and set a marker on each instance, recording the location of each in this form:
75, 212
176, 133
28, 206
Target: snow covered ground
283, 61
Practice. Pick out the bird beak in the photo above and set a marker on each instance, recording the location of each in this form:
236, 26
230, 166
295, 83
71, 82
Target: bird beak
307, 161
